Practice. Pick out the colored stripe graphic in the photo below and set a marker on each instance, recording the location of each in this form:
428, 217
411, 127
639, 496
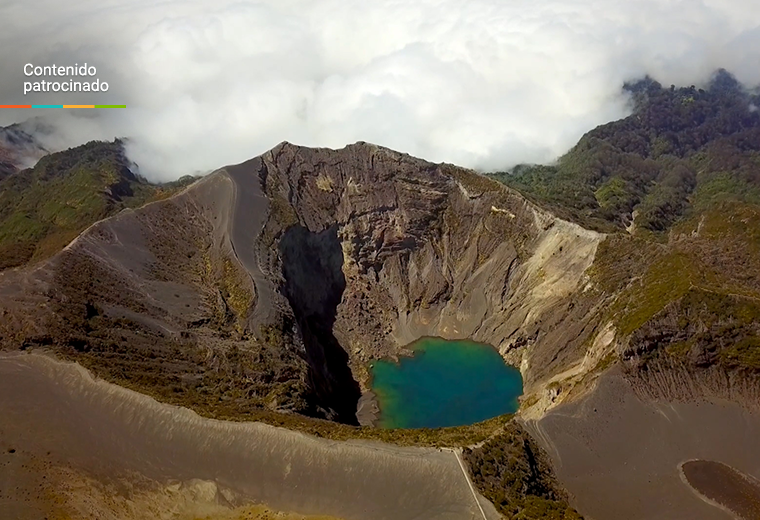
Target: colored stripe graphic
63, 106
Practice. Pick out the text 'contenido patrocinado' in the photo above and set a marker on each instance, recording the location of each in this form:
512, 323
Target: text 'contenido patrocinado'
74, 78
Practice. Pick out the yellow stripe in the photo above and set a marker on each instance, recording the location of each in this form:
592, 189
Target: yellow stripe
78, 106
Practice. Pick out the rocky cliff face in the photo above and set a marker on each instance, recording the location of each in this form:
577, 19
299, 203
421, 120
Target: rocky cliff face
702, 346
273, 283
437, 250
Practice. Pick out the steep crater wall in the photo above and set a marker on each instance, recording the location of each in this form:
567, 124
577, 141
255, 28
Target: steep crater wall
436, 250
271, 285
314, 285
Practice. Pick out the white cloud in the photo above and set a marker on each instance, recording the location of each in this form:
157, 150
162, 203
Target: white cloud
482, 83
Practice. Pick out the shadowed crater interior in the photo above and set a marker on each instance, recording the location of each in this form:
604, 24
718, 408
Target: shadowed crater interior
314, 285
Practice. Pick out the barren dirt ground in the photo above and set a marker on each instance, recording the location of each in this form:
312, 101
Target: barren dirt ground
620, 456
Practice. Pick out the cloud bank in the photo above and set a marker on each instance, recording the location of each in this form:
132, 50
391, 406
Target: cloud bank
482, 83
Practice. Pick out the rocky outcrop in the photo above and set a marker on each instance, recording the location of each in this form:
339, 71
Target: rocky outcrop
702, 346
670, 380
314, 285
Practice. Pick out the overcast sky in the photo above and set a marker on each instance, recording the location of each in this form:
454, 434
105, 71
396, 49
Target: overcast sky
481, 83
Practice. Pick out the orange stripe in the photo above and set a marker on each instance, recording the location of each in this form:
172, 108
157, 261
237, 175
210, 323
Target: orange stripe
78, 106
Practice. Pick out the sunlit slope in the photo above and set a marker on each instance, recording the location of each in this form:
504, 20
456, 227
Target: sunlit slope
45, 207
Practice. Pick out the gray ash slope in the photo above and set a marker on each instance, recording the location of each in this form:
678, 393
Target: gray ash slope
101, 451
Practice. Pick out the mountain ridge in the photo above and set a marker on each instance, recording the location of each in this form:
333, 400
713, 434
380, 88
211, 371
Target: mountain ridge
676, 142
45, 207
288, 211
366, 261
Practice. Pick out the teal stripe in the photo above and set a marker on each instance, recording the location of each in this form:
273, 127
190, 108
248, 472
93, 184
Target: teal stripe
47, 106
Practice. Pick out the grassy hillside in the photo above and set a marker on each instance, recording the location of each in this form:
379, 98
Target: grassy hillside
680, 150
684, 281
45, 207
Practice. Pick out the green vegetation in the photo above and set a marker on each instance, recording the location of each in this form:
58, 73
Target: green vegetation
696, 297
680, 349
667, 279
680, 149
236, 290
612, 193
704, 328
743, 353
43, 208
684, 282
514, 473
723, 186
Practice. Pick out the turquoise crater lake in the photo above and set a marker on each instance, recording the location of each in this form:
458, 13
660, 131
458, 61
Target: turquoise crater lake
445, 383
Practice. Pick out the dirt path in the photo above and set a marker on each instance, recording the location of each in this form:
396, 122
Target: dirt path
457, 454
248, 216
